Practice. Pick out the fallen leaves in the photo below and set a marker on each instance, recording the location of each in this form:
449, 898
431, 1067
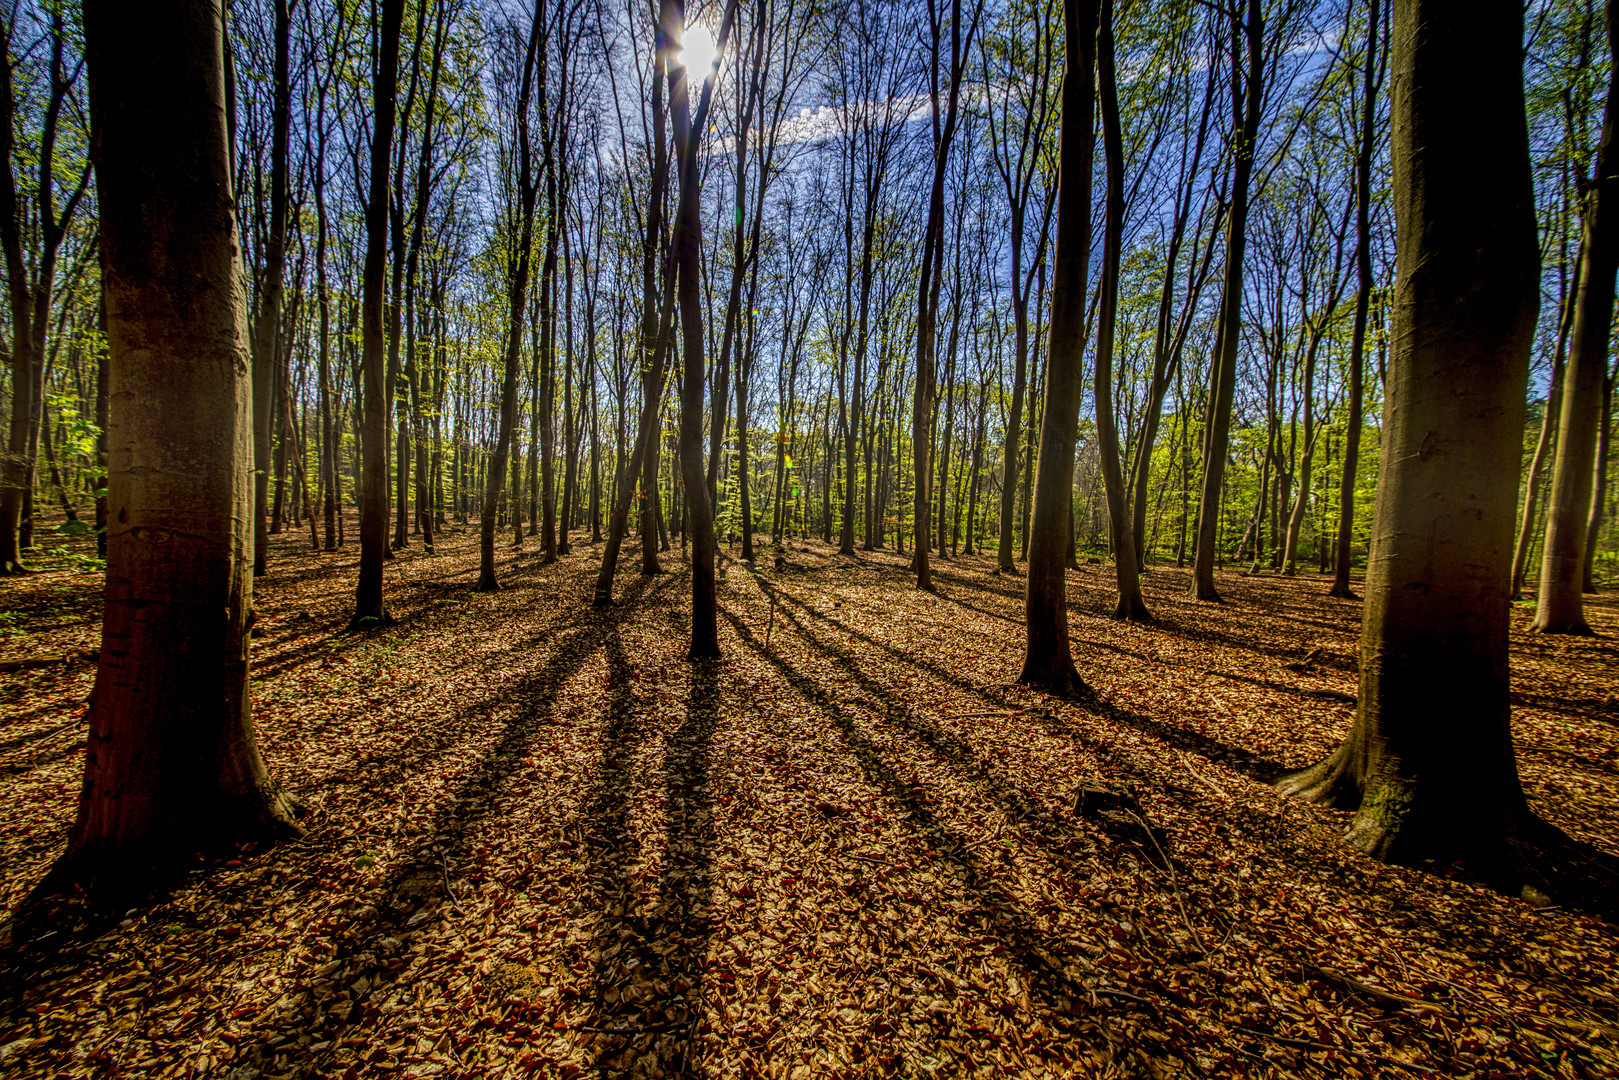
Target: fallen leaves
542, 842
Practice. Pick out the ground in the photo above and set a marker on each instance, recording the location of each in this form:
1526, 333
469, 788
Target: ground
543, 843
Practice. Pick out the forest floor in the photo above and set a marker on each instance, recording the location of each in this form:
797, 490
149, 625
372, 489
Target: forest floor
541, 842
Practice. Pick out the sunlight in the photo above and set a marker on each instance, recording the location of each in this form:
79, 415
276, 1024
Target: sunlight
699, 49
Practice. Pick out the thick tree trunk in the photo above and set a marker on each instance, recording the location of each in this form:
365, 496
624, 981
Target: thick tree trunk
1429, 765
1047, 660
1560, 607
171, 766
102, 374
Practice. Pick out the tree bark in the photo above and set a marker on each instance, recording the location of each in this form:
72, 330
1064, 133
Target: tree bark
1223, 382
1047, 660
369, 608
1363, 300
1560, 607
517, 304
171, 765
1529, 519
266, 344
1131, 607
687, 246
1428, 766
1600, 488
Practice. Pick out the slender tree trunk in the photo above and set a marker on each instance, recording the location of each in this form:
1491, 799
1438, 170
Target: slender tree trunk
368, 604
928, 290
1600, 489
1223, 383
687, 248
1530, 519
266, 345
517, 306
1048, 662
1131, 606
1560, 607
1363, 299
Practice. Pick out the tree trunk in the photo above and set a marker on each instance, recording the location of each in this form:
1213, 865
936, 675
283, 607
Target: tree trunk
266, 346
1560, 607
1131, 606
172, 766
102, 374
1223, 381
1529, 519
1371, 79
368, 605
1600, 488
1047, 660
687, 247
1428, 765
517, 305
927, 296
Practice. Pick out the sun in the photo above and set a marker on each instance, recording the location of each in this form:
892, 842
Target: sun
698, 51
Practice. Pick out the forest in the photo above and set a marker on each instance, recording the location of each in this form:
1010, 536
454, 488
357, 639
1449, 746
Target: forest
797, 538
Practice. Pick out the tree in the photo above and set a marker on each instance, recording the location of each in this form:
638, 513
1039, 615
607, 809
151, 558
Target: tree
31, 267
686, 245
1366, 141
267, 328
1562, 570
369, 608
1131, 606
1047, 660
927, 296
520, 233
1428, 766
171, 765
1246, 99
1019, 155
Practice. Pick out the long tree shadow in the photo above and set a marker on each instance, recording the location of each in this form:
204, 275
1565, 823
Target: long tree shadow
417, 894
1170, 625
338, 638
649, 973
1245, 761
951, 598
1047, 958
1029, 815
372, 947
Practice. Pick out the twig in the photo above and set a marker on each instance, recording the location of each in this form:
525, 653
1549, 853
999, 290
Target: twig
1304, 1044
638, 1029
1101, 991
1174, 883
1586, 1026
1356, 986
444, 868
